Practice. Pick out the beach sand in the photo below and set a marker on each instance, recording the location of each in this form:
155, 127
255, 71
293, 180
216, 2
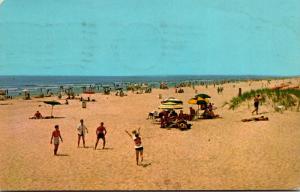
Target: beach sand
222, 153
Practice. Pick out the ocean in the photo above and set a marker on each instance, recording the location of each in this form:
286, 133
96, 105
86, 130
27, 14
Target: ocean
36, 84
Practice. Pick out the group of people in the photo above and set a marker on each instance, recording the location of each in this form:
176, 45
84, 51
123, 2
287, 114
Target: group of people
170, 119
101, 132
179, 90
220, 90
82, 131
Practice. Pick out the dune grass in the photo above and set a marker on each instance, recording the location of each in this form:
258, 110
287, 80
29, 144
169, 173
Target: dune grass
288, 98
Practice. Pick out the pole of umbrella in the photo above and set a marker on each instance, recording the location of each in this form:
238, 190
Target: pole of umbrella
52, 111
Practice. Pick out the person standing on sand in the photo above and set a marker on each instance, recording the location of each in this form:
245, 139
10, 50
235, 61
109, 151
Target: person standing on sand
256, 104
55, 137
138, 144
82, 130
100, 132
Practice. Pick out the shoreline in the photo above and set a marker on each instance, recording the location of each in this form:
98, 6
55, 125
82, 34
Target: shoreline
98, 87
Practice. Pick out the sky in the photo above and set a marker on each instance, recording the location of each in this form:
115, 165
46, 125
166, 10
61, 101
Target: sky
149, 37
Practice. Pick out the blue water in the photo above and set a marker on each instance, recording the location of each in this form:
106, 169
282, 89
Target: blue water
15, 84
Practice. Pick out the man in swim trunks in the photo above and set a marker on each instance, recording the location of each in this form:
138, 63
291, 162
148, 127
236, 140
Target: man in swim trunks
138, 144
55, 137
82, 130
101, 132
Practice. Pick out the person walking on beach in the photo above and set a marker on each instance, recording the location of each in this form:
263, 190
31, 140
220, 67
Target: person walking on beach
55, 137
101, 132
256, 104
138, 144
82, 130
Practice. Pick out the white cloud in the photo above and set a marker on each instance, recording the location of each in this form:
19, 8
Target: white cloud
1, 1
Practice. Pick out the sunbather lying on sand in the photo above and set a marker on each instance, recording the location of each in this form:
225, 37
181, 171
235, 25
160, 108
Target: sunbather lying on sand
261, 118
45, 117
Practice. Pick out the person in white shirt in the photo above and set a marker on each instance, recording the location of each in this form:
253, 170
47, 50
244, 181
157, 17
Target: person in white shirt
82, 130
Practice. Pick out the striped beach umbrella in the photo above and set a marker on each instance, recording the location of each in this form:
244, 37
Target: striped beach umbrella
170, 106
172, 100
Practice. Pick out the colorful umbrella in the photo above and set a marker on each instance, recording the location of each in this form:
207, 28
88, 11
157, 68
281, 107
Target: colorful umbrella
194, 101
199, 99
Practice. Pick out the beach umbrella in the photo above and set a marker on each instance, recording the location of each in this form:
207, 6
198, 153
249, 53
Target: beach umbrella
172, 100
171, 103
194, 101
170, 106
202, 95
198, 101
52, 103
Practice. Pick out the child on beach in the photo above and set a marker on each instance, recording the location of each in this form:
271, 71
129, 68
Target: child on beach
138, 144
55, 137
101, 132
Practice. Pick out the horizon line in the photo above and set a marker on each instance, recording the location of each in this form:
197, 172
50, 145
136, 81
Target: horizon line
192, 75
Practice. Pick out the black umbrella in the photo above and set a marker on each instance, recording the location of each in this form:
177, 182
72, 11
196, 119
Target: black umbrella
52, 103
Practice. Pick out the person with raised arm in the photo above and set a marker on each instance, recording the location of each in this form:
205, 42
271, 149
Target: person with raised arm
135, 136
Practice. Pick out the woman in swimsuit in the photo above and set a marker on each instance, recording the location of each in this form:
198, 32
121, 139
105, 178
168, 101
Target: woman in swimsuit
138, 144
